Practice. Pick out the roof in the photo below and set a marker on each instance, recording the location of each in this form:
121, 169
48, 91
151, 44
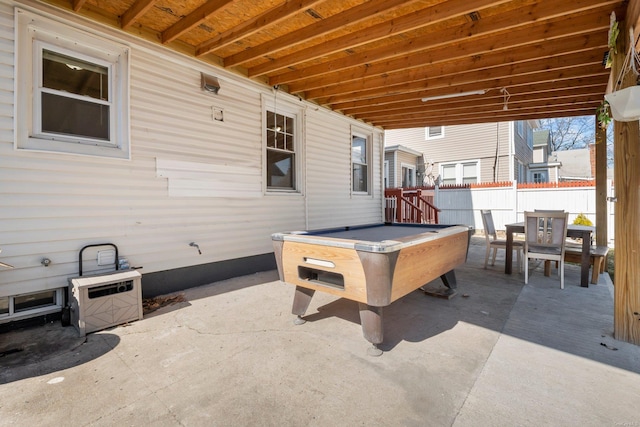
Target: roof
402, 148
376, 60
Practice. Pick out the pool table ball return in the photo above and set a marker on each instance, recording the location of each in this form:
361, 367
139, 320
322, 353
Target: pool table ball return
373, 265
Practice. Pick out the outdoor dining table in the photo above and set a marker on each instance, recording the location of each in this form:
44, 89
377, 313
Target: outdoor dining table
574, 231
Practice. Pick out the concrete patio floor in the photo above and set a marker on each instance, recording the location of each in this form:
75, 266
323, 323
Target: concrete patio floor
499, 353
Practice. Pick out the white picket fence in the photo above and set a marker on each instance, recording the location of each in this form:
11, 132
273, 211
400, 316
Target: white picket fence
507, 204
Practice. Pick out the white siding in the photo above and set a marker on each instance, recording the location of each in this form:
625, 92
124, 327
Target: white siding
169, 193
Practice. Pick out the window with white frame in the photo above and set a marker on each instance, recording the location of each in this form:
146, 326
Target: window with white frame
281, 150
520, 128
460, 173
434, 132
360, 159
29, 304
72, 90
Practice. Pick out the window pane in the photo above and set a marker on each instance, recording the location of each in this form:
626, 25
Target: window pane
449, 172
359, 177
67, 116
359, 150
4, 305
435, 131
288, 125
469, 170
280, 173
72, 75
28, 302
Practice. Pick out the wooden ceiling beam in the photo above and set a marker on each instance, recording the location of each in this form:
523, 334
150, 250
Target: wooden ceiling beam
251, 26
535, 17
490, 117
366, 107
336, 22
418, 19
495, 101
484, 79
436, 118
441, 65
135, 12
77, 4
193, 19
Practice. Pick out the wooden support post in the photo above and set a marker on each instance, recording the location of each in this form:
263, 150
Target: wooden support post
602, 215
626, 320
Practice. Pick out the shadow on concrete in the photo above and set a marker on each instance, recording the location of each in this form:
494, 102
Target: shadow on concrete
40, 350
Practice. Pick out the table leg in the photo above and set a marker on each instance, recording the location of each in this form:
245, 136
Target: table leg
585, 260
449, 279
301, 301
508, 257
371, 320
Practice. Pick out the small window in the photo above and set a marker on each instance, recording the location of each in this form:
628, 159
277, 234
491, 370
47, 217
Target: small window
281, 151
72, 91
540, 177
469, 173
520, 128
4, 306
434, 132
32, 301
448, 175
360, 164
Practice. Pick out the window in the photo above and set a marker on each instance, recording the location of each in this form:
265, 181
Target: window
520, 128
469, 173
434, 132
408, 175
448, 174
460, 173
281, 151
530, 137
359, 164
48, 301
72, 90
539, 177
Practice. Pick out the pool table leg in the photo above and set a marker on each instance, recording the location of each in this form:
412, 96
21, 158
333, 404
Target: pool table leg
371, 320
301, 301
449, 279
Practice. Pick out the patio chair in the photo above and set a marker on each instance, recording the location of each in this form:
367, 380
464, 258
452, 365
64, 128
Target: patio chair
493, 243
545, 234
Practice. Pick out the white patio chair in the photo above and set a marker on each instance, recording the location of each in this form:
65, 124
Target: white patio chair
493, 243
545, 234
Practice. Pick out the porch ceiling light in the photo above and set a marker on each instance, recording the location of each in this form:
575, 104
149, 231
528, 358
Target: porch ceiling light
455, 95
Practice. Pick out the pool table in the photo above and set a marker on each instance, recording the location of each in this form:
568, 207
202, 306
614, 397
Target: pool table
371, 264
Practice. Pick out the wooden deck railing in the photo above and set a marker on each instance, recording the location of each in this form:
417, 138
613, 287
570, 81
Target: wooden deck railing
410, 206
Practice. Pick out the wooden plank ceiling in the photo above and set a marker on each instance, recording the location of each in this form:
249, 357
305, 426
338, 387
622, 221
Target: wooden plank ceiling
376, 60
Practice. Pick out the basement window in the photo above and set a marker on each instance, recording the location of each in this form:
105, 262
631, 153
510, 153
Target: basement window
72, 90
30, 304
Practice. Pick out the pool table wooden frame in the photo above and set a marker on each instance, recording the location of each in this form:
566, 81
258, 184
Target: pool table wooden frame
374, 273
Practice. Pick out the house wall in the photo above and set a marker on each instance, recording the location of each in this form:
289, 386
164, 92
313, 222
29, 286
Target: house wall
461, 143
176, 187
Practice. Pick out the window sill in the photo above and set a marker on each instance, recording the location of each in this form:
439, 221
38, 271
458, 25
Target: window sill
61, 147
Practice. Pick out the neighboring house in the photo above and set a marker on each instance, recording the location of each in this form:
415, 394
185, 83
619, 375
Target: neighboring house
543, 168
577, 164
403, 167
108, 138
462, 154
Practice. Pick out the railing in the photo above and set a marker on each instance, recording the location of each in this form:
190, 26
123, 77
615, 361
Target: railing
410, 206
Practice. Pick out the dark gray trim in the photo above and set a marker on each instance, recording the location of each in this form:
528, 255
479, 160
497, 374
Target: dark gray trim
168, 281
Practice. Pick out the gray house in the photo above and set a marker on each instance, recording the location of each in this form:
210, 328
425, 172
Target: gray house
462, 154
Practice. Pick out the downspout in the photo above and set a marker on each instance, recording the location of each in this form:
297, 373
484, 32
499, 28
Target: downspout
512, 162
495, 160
